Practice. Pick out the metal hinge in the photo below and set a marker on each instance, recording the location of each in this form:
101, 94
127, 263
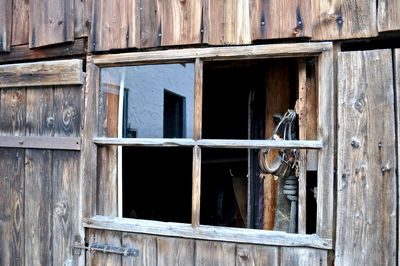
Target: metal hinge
98, 247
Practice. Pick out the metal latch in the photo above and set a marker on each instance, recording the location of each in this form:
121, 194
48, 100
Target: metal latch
98, 247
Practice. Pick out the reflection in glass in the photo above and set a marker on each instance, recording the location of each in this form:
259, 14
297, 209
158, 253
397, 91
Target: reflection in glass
158, 100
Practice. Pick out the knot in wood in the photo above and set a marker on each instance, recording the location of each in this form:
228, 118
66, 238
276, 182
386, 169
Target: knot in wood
61, 209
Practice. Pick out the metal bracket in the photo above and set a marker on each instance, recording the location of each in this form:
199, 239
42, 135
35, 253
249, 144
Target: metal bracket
98, 247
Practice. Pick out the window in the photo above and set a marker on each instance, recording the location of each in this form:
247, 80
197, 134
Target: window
200, 128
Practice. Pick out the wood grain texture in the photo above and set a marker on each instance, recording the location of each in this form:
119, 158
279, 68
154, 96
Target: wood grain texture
280, 19
12, 111
147, 246
325, 127
204, 232
62, 72
343, 19
214, 53
256, 255
107, 238
180, 21
175, 251
5, 25
68, 103
277, 102
88, 167
198, 99
50, 22
396, 54
20, 22
303, 257
115, 25
196, 186
388, 15
366, 201
226, 22
82, 17
22, 53
214, 253
51, 143
12, 226
150, 24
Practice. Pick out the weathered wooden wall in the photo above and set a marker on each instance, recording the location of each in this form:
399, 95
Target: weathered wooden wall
40, 188
158, 250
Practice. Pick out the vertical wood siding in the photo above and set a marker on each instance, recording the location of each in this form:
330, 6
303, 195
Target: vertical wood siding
397, 93
5, 25
366, 199
20, 22
388, 15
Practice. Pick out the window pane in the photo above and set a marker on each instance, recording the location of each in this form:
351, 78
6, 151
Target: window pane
158, 100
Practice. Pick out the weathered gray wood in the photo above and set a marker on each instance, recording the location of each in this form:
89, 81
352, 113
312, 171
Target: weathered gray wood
211, 143
12, 112
22, 53
214, 53
38, 212
50, 22
214, 253
106, 238
82, 17
12, 226
20, 22
303, 257
256, 255
147, 246
175, 251
5, 25
196, 186
396, 54
62, 72
67, 103
51, 143
388, 15
205, 232
89, 123
325, 127
366, 201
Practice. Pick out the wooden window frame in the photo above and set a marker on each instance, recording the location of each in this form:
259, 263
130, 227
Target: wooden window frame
324, 143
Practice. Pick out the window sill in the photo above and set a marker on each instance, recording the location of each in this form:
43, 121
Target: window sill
205, 232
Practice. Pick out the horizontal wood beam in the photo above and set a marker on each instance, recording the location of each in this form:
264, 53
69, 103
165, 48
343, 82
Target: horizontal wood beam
45, 143
23, 53
62, 72
204, 232
211, 143
214, 53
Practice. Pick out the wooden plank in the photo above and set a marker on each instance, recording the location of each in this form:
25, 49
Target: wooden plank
147, 246
303, 257
89, 129
214, 253
5, 25
82, 17
12, 112
312, 115
226, 22
39, 112
67, 103
396, 55
256, 255
366, 200
204, 232
198, 99
150, 24
115, 25
302, 118
53, 27
343, 19
12, 227
62, 72
211, 143
23, 53
38, 202
20, 22
388, 15
325, 127
175, 251
214, 53
180, 21
32, 142
196, 186
107, 238
280, 19
277, 102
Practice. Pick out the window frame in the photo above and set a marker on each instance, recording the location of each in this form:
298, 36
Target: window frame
324, 143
